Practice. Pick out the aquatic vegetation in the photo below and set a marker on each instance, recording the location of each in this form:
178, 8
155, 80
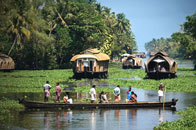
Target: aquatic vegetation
33, 80
186, 123
184, 82
7, 107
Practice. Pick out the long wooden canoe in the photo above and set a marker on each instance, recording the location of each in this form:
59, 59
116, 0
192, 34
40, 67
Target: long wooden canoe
32, 104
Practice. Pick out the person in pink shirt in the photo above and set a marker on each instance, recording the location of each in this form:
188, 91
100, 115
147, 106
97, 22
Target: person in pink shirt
58, 92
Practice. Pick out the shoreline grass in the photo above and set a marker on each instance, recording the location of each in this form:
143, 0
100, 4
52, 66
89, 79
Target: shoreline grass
188, 122
33, 80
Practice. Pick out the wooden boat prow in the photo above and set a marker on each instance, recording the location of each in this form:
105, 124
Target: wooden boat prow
33, 104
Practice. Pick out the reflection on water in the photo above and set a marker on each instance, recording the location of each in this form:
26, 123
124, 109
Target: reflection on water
97, 119
105, 119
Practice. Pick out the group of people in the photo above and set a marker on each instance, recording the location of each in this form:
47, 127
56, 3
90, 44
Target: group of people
131, 96
47, 88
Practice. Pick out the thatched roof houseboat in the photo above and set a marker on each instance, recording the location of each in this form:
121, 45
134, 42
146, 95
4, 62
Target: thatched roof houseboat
131, 61
141, 54
161, 66
6, 63
90, 63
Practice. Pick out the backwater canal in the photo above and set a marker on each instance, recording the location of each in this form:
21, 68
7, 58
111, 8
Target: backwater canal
100, 119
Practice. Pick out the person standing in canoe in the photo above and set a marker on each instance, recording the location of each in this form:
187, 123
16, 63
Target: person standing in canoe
116, 93
58, 92
160, 92
47, 88
93, 94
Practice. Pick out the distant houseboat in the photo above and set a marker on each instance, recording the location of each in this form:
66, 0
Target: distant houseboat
141, 54
131, 61
161, 66
6, 63
90, 63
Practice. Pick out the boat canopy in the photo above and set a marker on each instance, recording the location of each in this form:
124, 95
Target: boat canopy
92, 54
162, 58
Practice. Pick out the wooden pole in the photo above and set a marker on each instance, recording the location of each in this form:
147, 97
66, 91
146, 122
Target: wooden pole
164, 101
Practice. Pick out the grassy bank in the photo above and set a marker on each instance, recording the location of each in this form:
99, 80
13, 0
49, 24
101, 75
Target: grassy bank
32, 81
184, 82
188, 122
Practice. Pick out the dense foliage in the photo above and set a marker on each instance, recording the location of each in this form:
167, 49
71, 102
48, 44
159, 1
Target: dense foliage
44, 34
181, 44
168, 45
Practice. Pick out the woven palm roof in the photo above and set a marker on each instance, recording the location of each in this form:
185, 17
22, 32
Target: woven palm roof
91, 53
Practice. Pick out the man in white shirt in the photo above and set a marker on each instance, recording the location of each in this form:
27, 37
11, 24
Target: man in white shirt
93, 94
46, 88
160, 92
117, 94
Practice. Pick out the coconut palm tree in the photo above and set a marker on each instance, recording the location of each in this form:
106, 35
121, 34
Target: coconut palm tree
19, 19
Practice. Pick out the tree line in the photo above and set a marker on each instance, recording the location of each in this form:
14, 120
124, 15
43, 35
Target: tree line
45, 34
181, 44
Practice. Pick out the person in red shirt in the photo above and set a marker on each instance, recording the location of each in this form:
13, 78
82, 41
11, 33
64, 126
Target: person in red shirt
58, 92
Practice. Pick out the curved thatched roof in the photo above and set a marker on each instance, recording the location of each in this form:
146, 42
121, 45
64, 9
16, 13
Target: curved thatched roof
91, 53
163, 55
159, 57
5, 58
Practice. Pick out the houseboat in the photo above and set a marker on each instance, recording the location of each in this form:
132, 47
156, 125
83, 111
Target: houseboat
90, 63
131, 61
6, 63
161, 66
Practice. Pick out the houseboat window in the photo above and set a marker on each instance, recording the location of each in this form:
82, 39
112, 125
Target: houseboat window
76, 63
94, 63
86, 64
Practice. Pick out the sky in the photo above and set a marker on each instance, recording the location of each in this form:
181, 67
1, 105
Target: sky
152, 18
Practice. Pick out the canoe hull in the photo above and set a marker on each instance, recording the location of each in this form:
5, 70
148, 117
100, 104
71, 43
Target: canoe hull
31, 104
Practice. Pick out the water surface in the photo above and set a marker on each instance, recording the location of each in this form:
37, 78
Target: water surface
103, 119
